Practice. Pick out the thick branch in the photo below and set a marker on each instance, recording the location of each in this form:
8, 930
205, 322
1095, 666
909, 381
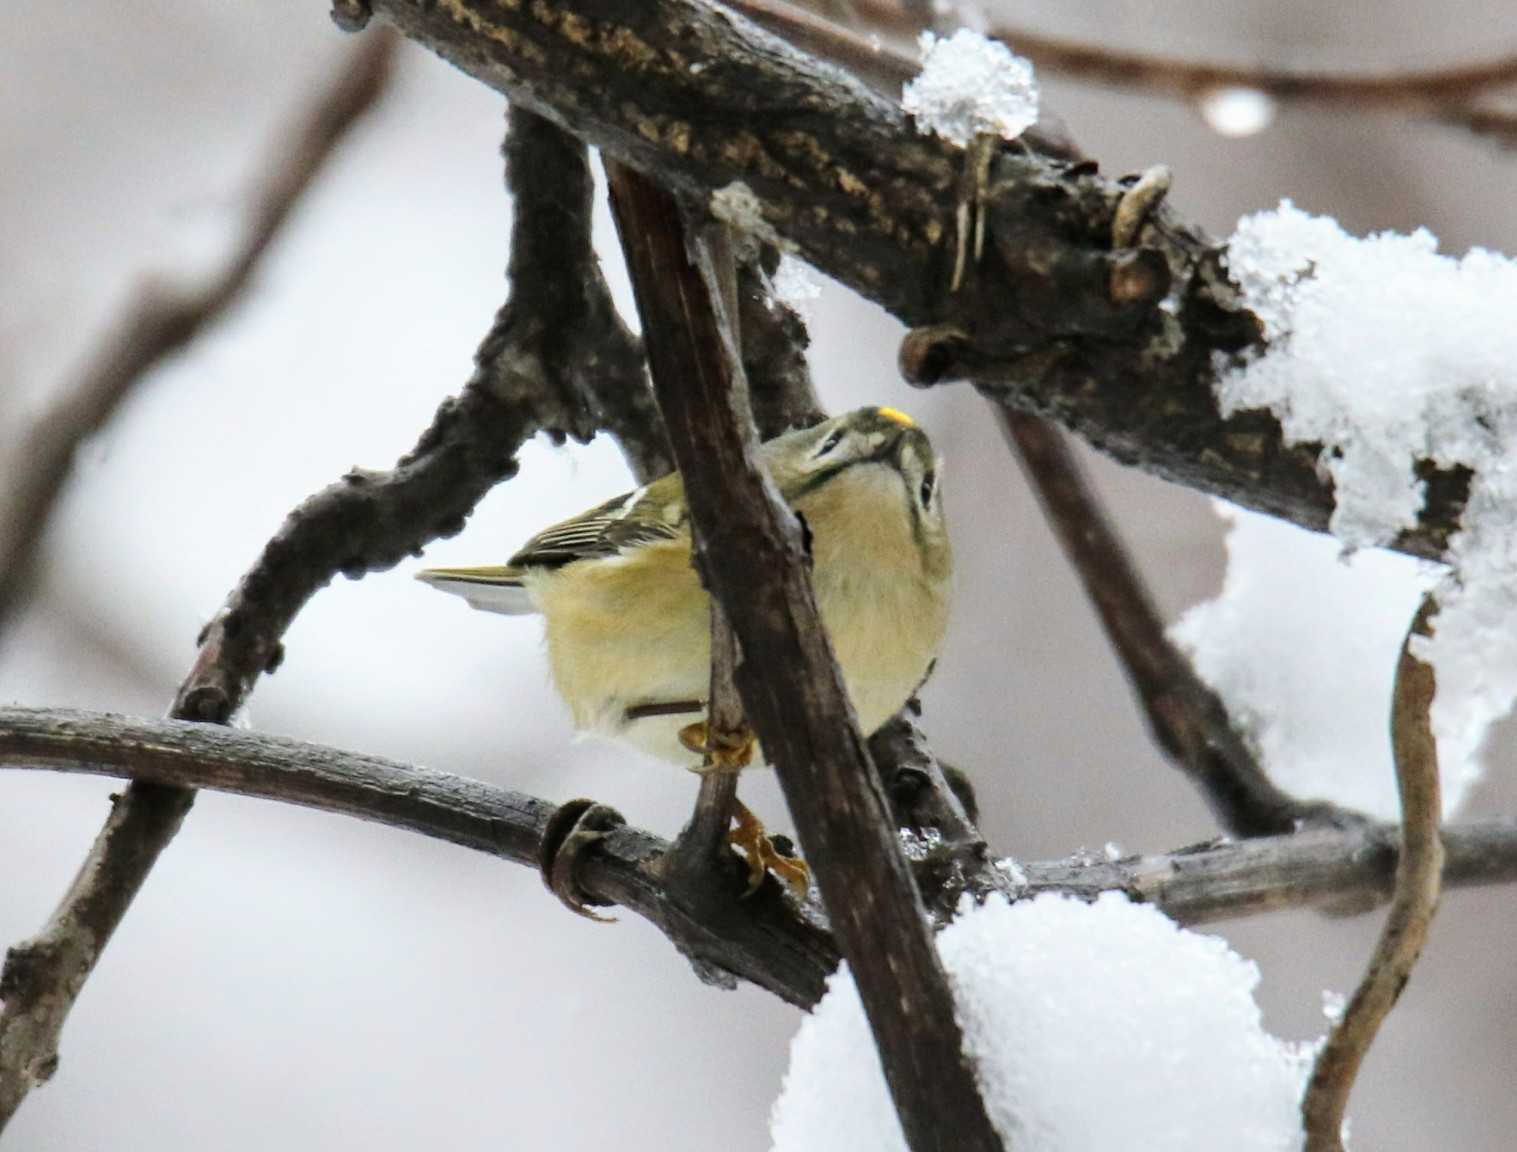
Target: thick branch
748, 550
1419, 874
1187, 718
763, 940
1056, 321
527, 378
164, 317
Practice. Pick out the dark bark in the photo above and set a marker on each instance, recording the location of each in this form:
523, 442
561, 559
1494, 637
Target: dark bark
1055, 320
749, 553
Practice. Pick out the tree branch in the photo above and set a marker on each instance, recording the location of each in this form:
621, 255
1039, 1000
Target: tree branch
1189, 720
164, 317
748, 550
1418, 879
44, 975
1058, 322
765, 939
527, 378
1450, 95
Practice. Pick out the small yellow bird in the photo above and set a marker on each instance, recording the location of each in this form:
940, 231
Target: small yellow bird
628, 623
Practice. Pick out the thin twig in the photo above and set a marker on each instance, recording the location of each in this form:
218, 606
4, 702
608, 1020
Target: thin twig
1450, 94
1419, 872
164, 316
704, 839
44, 975
749, 551
1189, 720
763, 940
526, 379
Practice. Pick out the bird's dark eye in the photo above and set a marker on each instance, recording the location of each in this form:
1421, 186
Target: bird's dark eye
929, 482
831, 442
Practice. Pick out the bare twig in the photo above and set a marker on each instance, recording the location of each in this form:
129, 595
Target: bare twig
1187, 718
763, 940
1419, 875
43, 975
704, 839
749, 551
164, 316
526, 379
1451, 94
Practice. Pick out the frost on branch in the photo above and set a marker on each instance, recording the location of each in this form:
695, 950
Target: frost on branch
1098, 1025
970, 86
1302, 644
1387, 353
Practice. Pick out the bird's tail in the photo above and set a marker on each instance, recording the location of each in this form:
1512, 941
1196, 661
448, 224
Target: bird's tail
491, 589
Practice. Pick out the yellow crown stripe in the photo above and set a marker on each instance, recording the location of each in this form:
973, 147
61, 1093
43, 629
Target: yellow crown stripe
896, 415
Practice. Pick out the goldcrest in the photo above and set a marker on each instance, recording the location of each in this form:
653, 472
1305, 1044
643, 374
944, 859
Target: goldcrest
628, 623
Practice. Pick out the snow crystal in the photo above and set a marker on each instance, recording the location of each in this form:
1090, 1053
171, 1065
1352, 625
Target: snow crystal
1387, 353
1302, 643
971, 86
1012, 870
1056, 996
795, 283
919, 846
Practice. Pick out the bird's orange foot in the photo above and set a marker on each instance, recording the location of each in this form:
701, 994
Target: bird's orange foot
765, 855
729, 752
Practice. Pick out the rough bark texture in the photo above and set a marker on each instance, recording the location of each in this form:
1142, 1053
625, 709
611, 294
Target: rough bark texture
748, 549
1054, 320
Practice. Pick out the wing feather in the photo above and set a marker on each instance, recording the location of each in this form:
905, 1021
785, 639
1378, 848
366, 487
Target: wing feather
607, 530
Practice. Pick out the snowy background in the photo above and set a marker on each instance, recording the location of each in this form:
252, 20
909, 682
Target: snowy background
298, 980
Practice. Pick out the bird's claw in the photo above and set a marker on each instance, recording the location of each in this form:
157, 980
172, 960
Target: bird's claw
766, 854
727, 752
571, 829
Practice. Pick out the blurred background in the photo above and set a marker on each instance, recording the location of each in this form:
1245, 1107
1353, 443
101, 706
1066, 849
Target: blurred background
304, 981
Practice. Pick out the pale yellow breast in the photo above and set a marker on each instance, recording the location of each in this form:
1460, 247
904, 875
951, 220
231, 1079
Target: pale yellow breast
636, 629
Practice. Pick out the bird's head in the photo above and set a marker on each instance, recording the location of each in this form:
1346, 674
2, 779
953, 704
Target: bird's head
878, 451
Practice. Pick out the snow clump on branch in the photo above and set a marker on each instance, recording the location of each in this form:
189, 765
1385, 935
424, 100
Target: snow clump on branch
1101, 1025
1302, 644
971, 86
1387, 354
